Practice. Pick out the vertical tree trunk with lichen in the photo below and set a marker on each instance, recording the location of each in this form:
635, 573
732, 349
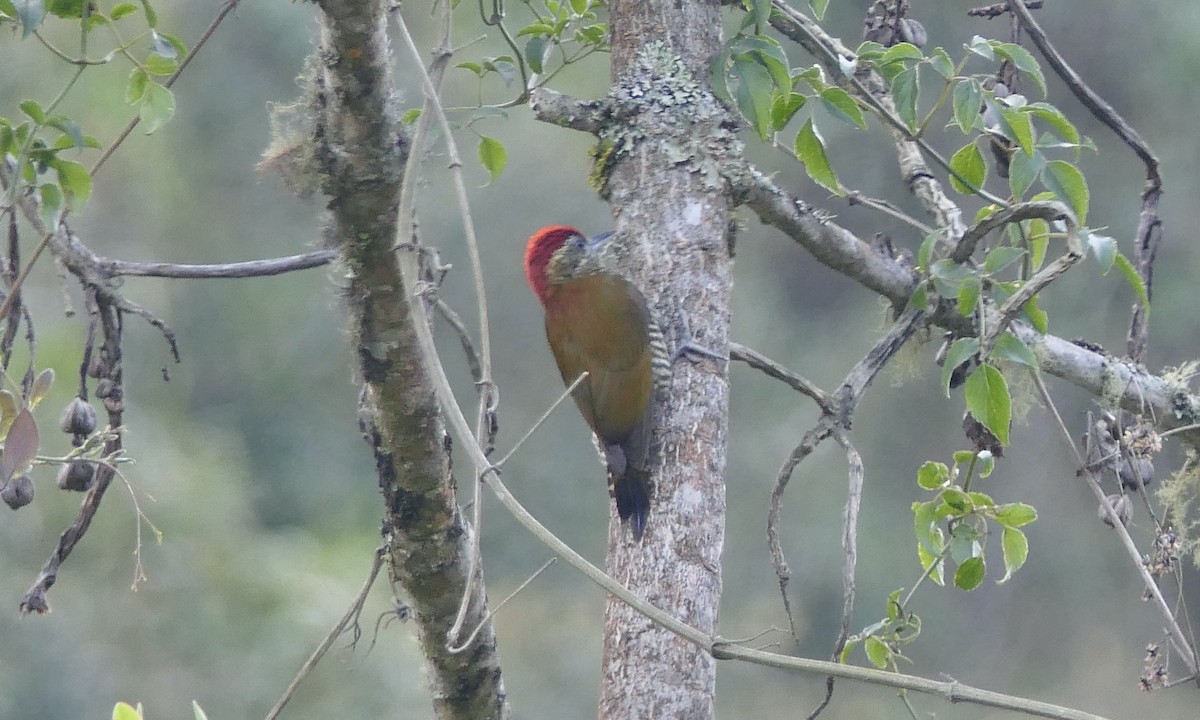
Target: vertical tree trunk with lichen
360, 152
658, 166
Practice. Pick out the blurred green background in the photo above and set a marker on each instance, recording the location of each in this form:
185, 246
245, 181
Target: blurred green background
250, 462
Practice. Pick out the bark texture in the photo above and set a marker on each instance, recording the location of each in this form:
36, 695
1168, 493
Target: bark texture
361, 152
660, 168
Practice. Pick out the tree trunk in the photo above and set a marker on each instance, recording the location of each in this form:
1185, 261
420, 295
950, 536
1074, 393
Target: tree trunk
361, 151
675, 218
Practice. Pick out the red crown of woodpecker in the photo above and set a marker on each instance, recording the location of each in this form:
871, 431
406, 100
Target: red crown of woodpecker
541, 248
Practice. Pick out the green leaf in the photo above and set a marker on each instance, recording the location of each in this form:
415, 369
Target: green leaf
157, 107
925, 251
810, 148
968, 296
988, 400
961, 457
1104, 248
31, 13
1001, 257
125, 711
842, 106
504, 66
718, 70
929, 561
535, 52
818, 8
968, 164
970, 573
1018, 126
967, 101
960, 351
1055, 119
472, 67
151, 16
905, 91
760, 10
784, 108
1037, 316
1023, 169
197, 713
135, 88
1038, 232
492, 156
901, 51
121, 10
1015, 514
985, 465
69, 128
75, 181
1016, 550
1135, 281
768, 53
932, 475
753, 94
1064, 180
410, 115
981, 47
51, 204
33, 110
928, 535
847, 649
157, 64
1009, 347
981, 500
878, 652
941, 63
957, 500
68, 9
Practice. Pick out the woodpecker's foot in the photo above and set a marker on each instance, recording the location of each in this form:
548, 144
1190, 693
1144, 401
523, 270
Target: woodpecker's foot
697, 351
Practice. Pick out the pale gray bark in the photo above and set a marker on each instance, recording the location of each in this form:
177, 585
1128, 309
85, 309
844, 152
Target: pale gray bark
672, 211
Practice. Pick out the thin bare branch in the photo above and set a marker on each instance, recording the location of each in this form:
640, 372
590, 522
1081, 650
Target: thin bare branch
249, 268
1000, 8
350, 616
772, 369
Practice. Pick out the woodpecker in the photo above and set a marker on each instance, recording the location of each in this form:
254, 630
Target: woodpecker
598, 322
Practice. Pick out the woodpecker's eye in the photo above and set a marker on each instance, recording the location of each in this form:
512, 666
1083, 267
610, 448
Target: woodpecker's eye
577, 241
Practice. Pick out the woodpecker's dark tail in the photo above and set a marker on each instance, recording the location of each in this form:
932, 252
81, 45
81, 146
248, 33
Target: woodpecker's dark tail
632, 491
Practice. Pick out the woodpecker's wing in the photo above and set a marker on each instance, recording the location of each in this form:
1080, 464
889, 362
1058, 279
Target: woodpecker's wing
600, 324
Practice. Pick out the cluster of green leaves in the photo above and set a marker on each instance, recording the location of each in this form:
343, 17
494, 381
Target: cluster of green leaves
965, 514
559, 34
40, 136
883, 639
752, 74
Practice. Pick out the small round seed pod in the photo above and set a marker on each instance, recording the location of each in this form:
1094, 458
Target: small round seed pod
77, 475
1136, 474
78, 418
18, 492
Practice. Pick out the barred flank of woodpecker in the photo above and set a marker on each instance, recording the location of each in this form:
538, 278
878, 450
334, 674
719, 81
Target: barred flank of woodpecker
598, 322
